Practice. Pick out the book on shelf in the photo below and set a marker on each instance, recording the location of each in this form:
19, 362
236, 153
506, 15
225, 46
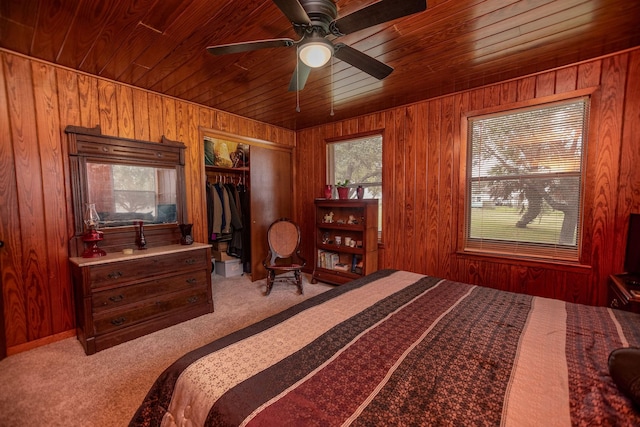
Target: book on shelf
335, 259
327, 259
356, 264
322, 258
341, 267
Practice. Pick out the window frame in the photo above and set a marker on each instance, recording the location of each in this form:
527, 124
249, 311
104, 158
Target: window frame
464, 181
330, 165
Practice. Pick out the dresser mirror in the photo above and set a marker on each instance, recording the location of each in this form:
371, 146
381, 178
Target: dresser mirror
125, 193
129, 181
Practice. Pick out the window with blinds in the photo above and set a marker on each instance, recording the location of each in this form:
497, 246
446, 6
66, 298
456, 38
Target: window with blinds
525, 172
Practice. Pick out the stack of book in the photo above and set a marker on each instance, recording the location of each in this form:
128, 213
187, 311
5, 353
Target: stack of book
331, 261
328, 259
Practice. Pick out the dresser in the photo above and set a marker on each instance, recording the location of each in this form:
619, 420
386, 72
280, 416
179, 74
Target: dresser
121, 297
624, 292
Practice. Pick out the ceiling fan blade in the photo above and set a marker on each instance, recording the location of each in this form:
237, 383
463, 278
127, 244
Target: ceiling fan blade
224, 49
299, 77
293, 10
362, 61
377, 13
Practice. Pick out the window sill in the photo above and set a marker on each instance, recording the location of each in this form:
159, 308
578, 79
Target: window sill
567, 266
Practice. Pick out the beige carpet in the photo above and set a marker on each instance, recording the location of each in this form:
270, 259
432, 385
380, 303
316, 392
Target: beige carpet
58, 385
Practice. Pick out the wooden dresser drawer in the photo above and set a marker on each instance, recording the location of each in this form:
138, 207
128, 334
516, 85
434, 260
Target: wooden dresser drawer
117, 297
121, 297
334, 276
620, 293
164, 305
112, 274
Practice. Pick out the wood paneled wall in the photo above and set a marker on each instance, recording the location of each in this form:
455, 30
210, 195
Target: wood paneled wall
421, 168
421, 180
37, 101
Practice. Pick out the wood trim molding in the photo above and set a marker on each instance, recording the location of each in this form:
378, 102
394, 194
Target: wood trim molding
30, 345
213, 133
357, 135
530, 103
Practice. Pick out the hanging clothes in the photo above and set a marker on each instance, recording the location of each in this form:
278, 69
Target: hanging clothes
228, 218
235, 245
218, 212
225, 212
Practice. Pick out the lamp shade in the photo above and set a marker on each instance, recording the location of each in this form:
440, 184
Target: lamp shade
91, 218
316, 53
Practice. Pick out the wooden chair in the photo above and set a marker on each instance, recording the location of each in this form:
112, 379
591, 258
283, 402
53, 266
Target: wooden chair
284, 257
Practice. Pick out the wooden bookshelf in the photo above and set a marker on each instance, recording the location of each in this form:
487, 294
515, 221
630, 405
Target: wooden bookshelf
337, 224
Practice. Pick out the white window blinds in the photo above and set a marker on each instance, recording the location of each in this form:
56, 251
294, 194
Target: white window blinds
524, 180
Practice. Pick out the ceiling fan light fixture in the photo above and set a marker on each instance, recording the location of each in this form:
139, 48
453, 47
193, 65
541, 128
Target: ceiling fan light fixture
316, 53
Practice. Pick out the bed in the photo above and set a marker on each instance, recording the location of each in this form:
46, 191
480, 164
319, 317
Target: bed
400, 348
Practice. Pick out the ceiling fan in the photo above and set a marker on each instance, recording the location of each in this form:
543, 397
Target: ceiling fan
314, 21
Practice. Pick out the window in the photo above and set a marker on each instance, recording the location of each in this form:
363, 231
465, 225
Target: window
360, 162
524, 180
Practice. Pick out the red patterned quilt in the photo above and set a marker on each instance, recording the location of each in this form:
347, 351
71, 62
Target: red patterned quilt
399, 348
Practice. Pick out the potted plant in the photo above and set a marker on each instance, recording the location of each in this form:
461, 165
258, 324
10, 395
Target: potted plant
343, 189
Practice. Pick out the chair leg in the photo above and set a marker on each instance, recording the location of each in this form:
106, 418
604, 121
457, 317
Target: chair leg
270, 278
299, 281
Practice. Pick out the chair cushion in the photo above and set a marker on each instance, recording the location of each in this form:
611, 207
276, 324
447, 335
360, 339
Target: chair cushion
283, 238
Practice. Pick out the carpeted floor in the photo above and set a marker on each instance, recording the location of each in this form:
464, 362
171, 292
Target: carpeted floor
58, 385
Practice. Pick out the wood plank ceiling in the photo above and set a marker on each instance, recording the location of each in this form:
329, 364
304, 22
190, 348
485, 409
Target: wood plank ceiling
454, 45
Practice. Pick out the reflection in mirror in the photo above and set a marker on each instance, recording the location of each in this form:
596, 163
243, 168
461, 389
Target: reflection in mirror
127, 193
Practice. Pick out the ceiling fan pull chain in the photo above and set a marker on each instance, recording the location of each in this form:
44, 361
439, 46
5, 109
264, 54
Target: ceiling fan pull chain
331, 113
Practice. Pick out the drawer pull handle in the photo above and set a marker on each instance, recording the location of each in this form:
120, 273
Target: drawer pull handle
116, 298
115, 275
190, 261
119, 321
192, 281
193, 299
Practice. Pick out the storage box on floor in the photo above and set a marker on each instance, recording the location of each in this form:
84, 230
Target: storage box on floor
224, 264
219, 251
229, 268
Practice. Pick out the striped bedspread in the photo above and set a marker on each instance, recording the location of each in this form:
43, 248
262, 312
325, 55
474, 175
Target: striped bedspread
399, 348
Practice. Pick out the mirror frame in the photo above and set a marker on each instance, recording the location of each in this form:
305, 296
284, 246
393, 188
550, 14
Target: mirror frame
88, 144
